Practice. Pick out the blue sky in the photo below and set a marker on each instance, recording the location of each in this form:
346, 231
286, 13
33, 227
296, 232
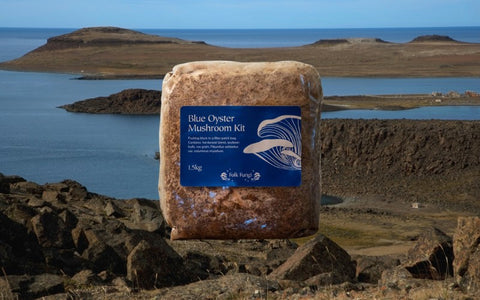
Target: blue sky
239, 13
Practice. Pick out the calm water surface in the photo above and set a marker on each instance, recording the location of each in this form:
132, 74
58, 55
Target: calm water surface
113, 154
110, 154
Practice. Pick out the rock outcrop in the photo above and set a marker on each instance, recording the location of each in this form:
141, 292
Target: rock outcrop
58, 237
60, 241
130, 101
404, 160
333, 42
318, 260
430, 258
433, 38
466, 247
105, 36
438, 257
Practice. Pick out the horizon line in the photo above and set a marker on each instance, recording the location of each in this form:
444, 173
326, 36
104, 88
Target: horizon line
260, 28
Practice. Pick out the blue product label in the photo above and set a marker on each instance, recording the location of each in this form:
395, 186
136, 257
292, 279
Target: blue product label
244, 146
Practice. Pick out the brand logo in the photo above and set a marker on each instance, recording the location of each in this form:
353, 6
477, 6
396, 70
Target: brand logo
251, 176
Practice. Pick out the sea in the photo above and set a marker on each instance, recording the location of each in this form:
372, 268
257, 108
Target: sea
114, 154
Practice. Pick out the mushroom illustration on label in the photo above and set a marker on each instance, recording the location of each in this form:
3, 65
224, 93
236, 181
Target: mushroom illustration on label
281, 146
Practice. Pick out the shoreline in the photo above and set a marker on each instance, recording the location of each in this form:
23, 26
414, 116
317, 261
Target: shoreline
162, 76
148, 102
120, 53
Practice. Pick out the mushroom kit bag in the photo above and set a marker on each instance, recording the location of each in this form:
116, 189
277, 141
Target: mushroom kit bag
240, 150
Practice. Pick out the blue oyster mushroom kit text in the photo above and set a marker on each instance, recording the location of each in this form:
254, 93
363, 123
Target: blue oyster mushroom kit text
244, 146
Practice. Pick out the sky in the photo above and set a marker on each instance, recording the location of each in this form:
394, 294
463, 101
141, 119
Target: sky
228, 14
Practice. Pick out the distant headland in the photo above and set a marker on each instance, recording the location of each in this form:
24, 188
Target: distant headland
111, 52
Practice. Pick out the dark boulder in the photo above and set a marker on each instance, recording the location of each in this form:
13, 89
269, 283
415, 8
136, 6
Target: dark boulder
370, 268
100, 256
32, 287
51, 231
26, 187
155, 265
318, 256
20, 252
432, 256
5, 182
397, 278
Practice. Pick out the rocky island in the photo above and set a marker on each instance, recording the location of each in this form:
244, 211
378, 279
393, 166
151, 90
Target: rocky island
110, 52
148, 102
130, 101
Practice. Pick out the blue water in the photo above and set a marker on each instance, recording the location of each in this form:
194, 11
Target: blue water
113, 154
110, 154
248, 38
383, 86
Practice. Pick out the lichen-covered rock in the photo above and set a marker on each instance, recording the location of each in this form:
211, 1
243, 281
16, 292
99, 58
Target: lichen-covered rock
145, 215
466, 247
5, 182
432, 256
370, 268
26, 187
320, 255
155, 265
111, 209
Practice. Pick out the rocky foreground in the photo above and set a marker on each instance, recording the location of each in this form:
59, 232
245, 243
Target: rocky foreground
59, 241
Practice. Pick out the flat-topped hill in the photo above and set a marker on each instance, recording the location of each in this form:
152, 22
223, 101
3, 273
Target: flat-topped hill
105, 36
349, 41
433, 38
116, 52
